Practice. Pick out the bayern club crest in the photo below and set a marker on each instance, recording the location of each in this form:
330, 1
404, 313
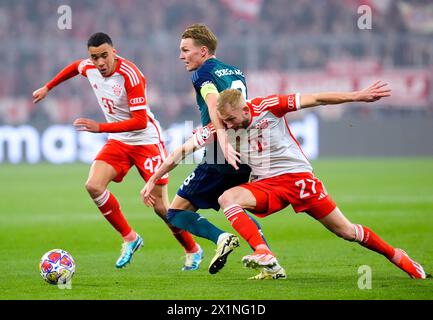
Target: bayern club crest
117, 89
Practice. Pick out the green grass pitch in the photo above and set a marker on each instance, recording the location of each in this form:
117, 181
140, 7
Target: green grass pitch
46, 206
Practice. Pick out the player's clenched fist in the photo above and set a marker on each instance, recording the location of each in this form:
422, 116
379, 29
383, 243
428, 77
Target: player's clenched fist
39, 94
83, 124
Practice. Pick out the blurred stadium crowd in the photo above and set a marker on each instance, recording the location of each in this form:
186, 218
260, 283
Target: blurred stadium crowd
263, 37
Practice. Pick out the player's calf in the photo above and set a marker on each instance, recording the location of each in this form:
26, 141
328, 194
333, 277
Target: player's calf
110, 209
367, 238
246, 227
347, 232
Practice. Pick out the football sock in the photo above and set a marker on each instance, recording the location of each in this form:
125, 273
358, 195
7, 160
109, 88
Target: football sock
185, 239
246, 228
194, 223
260, 230
372, 241
110, 209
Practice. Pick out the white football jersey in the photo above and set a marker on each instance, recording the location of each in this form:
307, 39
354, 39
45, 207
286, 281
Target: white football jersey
119, 94
272, 149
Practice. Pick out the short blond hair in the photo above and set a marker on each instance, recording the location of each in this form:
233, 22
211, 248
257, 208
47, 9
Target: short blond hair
202, 36
231, 97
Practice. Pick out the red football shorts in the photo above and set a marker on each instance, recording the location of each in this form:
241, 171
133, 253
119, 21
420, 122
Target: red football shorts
122, 156
302, 190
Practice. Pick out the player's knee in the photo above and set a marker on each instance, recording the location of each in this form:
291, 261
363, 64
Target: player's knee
94, 189
226, 199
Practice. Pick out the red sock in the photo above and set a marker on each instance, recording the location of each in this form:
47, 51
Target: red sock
110, 209
185, 239
244, 225
372, 241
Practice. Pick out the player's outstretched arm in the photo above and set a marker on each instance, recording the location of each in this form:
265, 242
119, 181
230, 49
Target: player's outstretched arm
373, 93
168, 165
200, 138
68, 72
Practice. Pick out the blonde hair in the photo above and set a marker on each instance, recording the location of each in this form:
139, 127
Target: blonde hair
231, 97
202, 36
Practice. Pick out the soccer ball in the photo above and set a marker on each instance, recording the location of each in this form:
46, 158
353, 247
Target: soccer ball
57, 266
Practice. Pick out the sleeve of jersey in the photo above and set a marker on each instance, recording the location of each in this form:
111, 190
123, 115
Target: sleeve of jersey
279, 105
67, 73
204, 135
202, 79
138, 121
207, 88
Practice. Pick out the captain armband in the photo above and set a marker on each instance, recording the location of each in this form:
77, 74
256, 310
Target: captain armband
206, 88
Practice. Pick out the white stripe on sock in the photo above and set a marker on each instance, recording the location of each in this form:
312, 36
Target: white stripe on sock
102, 199
359, 233
232, 210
